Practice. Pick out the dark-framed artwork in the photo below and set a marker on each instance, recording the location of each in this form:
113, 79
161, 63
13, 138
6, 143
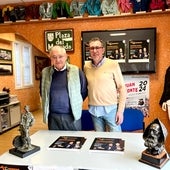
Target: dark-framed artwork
40, 63
6, 69
116, 50
134, 49
64, 37
5, 54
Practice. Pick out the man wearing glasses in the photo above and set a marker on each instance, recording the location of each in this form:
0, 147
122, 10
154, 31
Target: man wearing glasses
106, 89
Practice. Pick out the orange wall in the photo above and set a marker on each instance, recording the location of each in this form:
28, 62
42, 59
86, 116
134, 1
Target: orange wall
27, 96
34, 32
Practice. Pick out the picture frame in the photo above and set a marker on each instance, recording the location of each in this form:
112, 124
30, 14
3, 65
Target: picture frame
6, 69
40, 63
131, 42
63, 37
5, 55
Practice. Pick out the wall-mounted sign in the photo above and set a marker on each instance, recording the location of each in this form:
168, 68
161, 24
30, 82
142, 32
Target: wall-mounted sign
59, 37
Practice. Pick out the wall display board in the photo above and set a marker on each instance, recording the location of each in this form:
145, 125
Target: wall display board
134, 49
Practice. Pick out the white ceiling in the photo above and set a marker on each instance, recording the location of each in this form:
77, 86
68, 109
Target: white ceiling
6, 2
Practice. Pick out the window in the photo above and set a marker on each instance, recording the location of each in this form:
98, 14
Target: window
23, 64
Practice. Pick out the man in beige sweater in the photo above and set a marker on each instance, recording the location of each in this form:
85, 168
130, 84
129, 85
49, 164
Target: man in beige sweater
106, 89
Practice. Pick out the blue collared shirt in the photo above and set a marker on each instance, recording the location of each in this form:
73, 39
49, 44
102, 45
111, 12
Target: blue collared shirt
100, 63
101, 110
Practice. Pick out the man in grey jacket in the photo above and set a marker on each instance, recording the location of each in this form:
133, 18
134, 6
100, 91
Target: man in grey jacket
63, 89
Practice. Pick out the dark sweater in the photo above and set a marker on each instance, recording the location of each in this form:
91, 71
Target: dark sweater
59, 98
166, 91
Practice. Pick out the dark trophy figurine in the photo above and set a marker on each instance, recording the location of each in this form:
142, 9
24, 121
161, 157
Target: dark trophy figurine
154, 136
22, 142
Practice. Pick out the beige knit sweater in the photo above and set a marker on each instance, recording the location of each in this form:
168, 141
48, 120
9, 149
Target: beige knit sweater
105, 84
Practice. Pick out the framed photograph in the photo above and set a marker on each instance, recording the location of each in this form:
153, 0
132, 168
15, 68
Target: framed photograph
134, 49
5, 54
139, 50
63, 37
116, 50
6, 69
40, 63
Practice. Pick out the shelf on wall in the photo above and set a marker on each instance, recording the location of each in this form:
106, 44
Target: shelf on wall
141, 13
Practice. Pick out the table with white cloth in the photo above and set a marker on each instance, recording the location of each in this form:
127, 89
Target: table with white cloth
83, 158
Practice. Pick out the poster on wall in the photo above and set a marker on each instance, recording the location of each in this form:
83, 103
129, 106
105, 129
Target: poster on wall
116, 50
139, 51
137, 92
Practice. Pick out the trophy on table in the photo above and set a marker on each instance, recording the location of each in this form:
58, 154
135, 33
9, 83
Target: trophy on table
154, 136
22, 142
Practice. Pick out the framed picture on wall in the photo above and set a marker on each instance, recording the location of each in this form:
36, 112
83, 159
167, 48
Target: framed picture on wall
6, 69
5, 54
63, 37
116, 50
139, 51
134, 49
40, 63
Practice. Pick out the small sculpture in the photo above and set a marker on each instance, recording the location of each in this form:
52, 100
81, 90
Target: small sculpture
109, 7
154, 136
61, 8
22, 142
46, 9
92, 7
27, 121
5, 89
75, 7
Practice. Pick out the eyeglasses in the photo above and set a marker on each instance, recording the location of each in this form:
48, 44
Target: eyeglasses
57, 57
95, 48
